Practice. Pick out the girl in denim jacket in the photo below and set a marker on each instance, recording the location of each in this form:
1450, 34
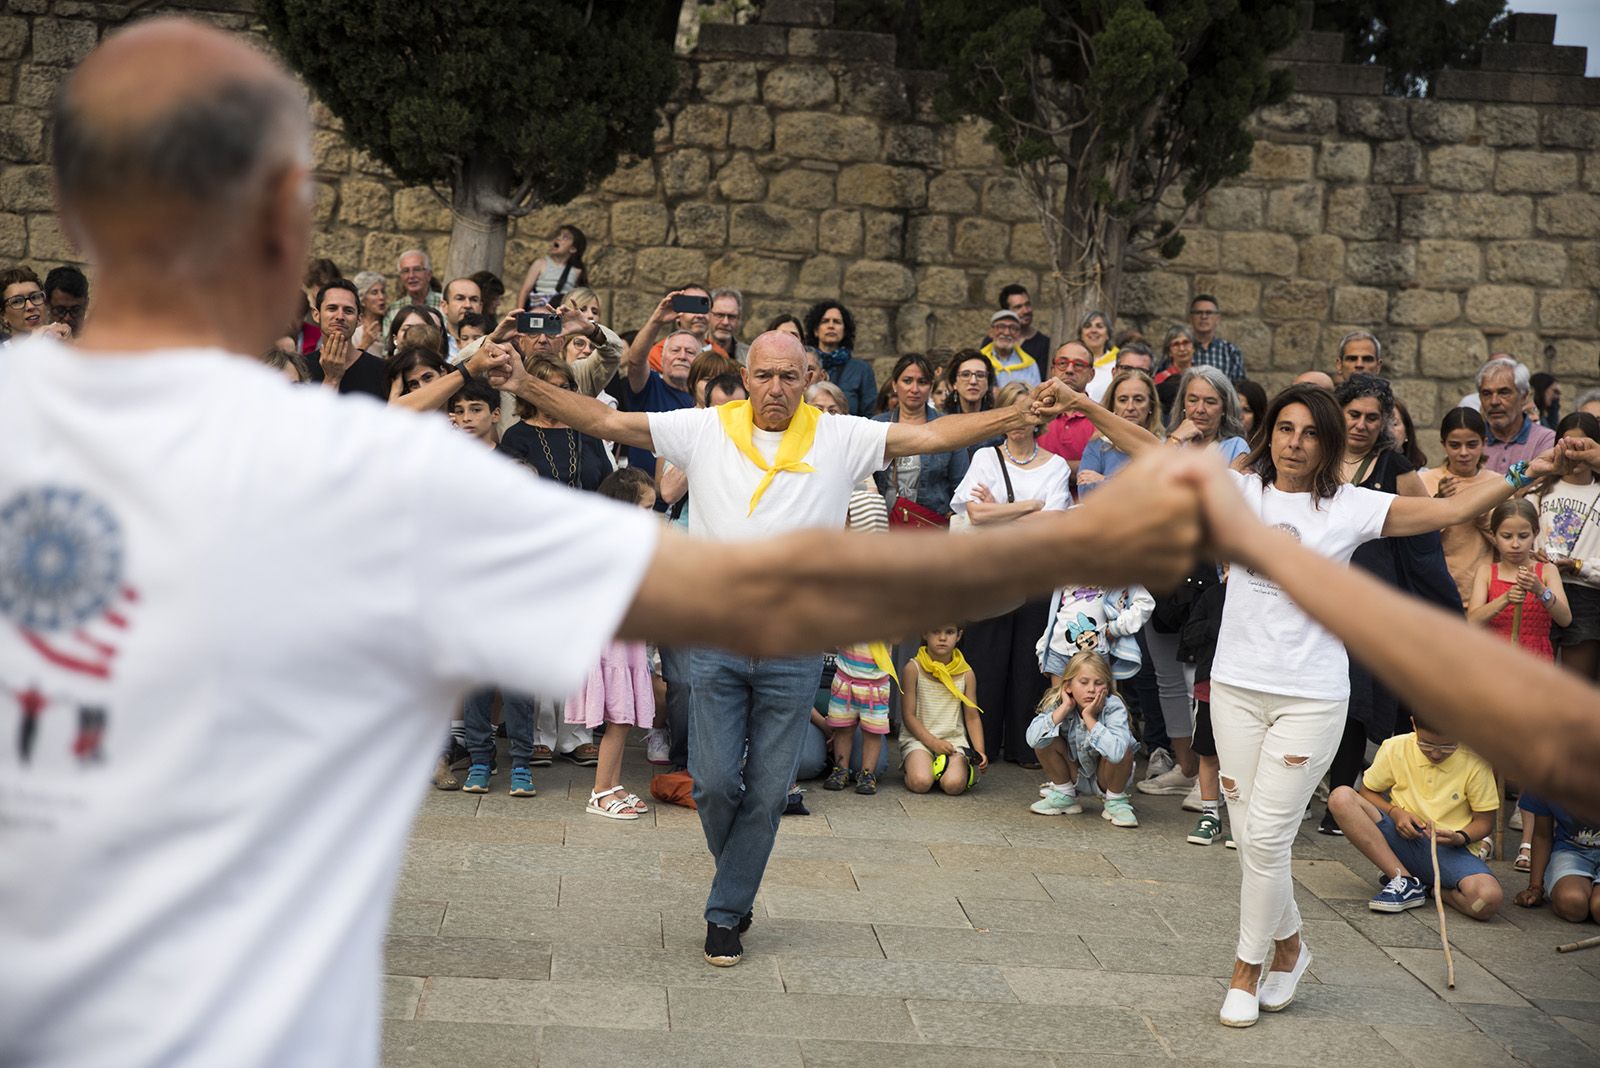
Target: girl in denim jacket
1084, 741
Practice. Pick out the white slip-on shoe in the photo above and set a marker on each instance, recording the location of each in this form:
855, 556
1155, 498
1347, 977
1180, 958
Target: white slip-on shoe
1240, 1008
1277, 989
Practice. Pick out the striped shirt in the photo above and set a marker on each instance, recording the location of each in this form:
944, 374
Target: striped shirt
856, 661
868, 513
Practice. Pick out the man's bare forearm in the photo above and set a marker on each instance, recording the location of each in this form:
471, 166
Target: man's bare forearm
1124, 436
584, 414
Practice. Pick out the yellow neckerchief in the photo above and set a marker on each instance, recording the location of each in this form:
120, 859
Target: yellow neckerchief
881, 657
1107, 358
1025, 361
738, 422
947, 673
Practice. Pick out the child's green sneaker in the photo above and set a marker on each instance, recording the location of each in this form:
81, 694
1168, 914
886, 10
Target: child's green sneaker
477, 780
837, 779
1057, 803
1208, 831
1119, 810
522, 782
867, 783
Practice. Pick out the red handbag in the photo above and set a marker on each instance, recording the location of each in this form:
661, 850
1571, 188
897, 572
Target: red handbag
906, 512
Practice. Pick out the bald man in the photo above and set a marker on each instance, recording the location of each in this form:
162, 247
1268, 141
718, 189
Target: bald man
200, 821
1321, 379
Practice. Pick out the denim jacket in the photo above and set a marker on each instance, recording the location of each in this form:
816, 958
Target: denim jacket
941, 473
1111, 738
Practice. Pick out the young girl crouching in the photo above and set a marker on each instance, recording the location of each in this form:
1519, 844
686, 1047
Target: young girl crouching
1083, 740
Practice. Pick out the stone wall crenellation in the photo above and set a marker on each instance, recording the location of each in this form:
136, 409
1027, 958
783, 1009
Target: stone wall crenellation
798, 163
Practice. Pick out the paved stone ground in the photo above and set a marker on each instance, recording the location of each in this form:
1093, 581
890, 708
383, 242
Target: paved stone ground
904, 930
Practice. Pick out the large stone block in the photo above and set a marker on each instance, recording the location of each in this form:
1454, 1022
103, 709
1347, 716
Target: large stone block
879, 281
726, 82
1398, 163
846, 45
970, 147
879, 185
1572, 128
1535, 172
1235, 209
1366, 212
750, 126
1438, 122
1294, 346
26, 189
1008, 199
1260, 253
798, 85
21, 135
1539, 263
1345, 161
1567, 309
1295, 209
1380, 263
606, 266
324, 198
1576, 357
952, 193
1583, 258
1492, 305
1453, 353
62, 42
632, 178
1275, 162
1295, 300
750, 273
996, 277
1570, 215
419, 209
928, 239
1152, 293
819, 280
667, 267
365, 203
740, 179
815, 135
13, 38
943, 285
1461, 167
1466, 215
919, 145
329, 153
701, 124
382, 251
1376, 118
1300, 114
1448, 263
769, 227
1508, 125
1424, 307
1591, 172
1201, 251
37, 84
1253, 337
342, 246
981, 241
638, 223
875, 335
883, 235
13, 236
1028, 244
1360, 304
700, 225
839, 231
685, 173
1322, 258
799, 188
48, 243
875, 91
913, 327
1235, 294
1421, 400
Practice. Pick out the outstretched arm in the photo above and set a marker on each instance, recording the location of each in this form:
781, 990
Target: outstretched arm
583, 414
1533, 720
1419, 515
1055, 397
635, 363
951, 432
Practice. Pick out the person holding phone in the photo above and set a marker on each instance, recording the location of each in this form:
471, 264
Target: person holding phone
687, 309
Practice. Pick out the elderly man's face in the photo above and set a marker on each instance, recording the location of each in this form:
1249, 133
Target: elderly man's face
725, 316
775, 380
677, 356
1006, 333
1073, 365
415, 276
1360, 357
1500, 401
462, 296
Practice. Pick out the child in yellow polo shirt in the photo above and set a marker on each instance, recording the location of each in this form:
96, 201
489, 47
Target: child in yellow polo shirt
1429, 778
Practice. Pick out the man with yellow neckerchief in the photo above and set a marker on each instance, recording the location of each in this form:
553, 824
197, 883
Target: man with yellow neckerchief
1004, 351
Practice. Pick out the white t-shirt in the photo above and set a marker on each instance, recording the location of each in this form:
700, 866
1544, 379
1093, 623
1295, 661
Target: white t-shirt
722, 479
1047, 483
1266, 642
246, 609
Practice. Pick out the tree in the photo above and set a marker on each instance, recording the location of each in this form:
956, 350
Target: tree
1414, 40
1116, 115
507, 107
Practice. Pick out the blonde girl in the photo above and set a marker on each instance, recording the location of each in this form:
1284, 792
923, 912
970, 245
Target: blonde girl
1084, 741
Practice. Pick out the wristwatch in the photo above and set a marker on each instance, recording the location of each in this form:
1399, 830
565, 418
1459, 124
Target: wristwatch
1547, 596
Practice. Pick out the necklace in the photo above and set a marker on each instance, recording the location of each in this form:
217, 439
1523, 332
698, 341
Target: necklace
1023, 462
572, 453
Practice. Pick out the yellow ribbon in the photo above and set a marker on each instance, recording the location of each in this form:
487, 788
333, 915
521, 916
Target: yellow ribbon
881, 657
947, 673
738, 422
1024, 361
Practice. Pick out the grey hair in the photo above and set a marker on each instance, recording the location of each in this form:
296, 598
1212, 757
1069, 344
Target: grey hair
212, 151
1177, 331
365, 280
1588, 396
1519, 372
832, 391
738, 297
1232, 425
427, 261
1091, 317
1361, 335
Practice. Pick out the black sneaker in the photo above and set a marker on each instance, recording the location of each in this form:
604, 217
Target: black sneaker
867, 783
745, 921
1329, 826
722, 946
837, 779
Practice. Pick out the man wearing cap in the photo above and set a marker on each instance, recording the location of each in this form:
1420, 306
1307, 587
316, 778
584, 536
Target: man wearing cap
1005, 355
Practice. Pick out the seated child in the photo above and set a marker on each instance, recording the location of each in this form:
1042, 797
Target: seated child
1429, 778
942, 736
1084, 741
1566, 856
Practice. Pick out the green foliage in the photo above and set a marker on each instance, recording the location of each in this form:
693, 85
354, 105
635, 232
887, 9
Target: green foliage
1414, 39
546, 96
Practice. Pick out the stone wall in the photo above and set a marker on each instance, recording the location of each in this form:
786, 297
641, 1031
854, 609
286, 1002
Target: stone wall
798, 163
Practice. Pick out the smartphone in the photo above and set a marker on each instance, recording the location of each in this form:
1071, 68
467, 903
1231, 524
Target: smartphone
537, 323
691, 302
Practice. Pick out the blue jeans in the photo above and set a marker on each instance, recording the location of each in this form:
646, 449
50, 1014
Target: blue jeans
747, 720
517, 712
675, 670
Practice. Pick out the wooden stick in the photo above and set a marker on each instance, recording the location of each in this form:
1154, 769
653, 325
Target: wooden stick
1438, 901
1497, 847
1582, 943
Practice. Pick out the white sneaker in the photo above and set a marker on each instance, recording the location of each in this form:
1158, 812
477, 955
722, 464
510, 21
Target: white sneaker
1240, 1008
1515, 822
1173, 782
1057, 803
1160, 762
658, 747
1277, 989
1192, 801
1046, 787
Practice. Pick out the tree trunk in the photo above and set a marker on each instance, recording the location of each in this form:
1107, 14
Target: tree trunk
480, 205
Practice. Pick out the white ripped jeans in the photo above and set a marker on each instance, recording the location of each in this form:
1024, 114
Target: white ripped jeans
1273, 751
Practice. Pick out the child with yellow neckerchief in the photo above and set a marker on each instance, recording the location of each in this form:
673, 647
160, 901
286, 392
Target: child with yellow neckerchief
942, 733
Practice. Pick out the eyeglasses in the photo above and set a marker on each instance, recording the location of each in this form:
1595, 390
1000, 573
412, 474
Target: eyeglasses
73, 312
1199, 314
971, 376
22, 300
1065, 365
1441, 750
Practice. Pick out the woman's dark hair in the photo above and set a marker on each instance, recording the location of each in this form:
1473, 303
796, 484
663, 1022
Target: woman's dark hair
580, 244
729, 383
1579, 421
408, 359
952, 403
434, 317
1518, 507
1355, 388
910, 359
1253, 395
476, 388
779, 320
545, 369
1327, 418
626, 484
1463, 419
1412, 451
814, 319
12, 276
1540, 385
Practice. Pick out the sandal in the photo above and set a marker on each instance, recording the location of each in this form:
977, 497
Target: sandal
615, 809
1524, 860
634, 802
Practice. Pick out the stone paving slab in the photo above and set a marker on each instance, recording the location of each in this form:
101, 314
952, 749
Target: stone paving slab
481, 958
428, 1044
796, 1015
659, 967
533, 1003
822, 1053
939, 980
587, 1047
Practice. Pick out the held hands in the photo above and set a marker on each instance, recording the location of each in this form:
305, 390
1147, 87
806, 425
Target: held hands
1545, 464
1053, 397
492, 360
1572, 452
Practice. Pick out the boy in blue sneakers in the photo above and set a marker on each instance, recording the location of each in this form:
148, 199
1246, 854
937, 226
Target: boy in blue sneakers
1428, 777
